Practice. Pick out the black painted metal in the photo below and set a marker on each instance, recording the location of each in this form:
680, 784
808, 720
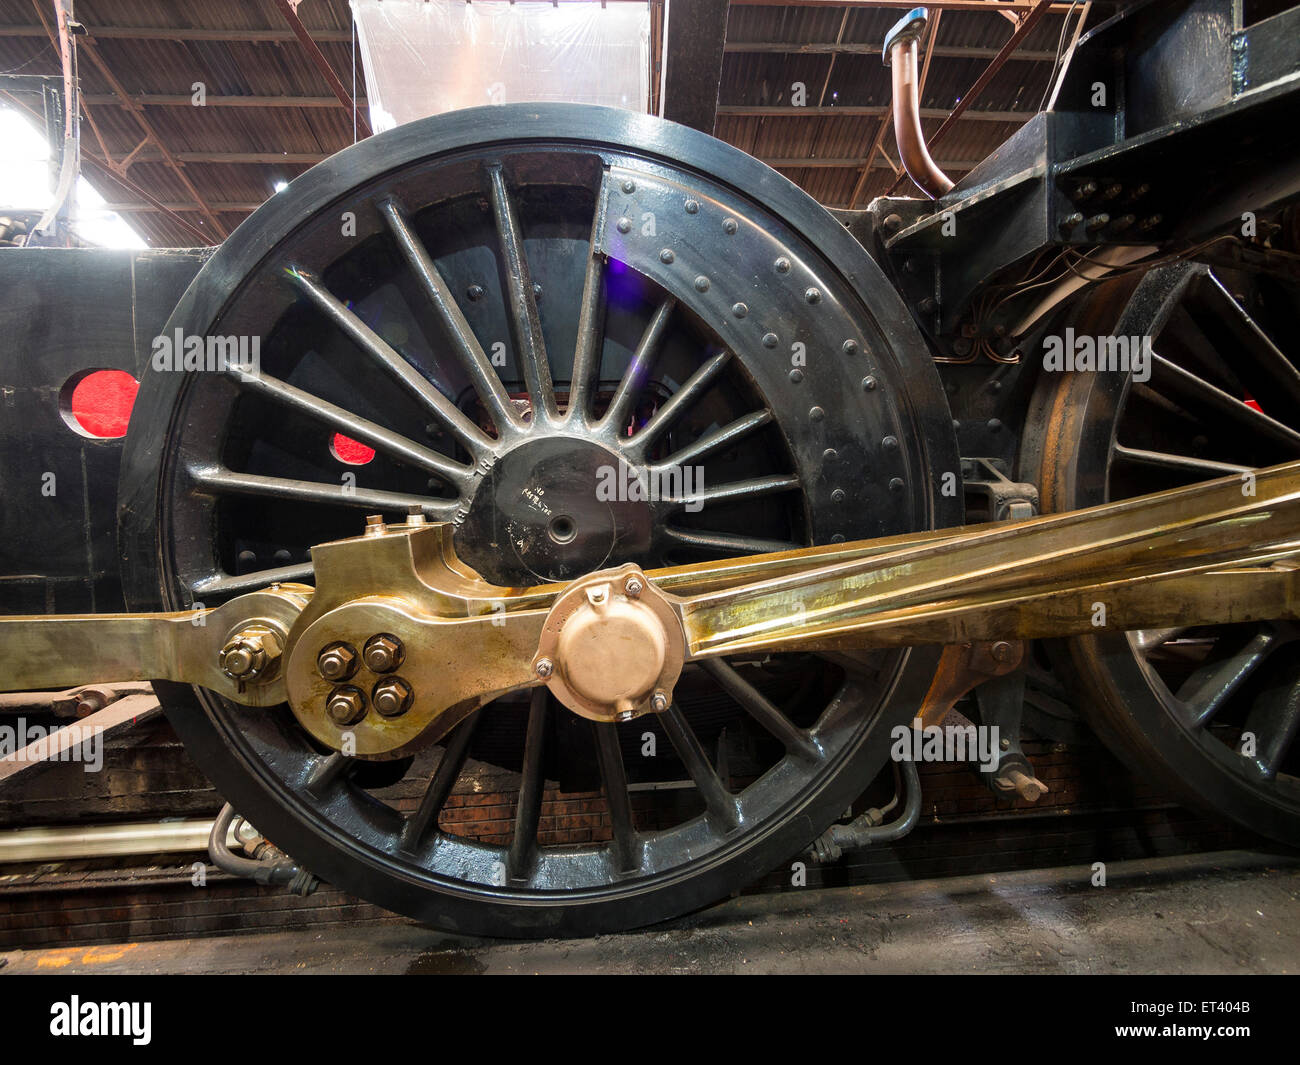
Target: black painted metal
63, 312
1178, 703
818, 409
697, 31
1169, 121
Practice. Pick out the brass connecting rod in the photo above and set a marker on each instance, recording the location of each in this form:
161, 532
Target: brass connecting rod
1224, 551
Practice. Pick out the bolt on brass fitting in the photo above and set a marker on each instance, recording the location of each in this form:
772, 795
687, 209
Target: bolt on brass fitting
250, 654
392, 696
346, 706
383, 653
337, 661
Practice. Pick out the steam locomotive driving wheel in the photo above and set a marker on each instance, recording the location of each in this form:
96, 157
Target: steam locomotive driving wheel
1211, 712
583, 338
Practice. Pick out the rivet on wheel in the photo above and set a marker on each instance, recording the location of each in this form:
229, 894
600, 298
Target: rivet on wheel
896, 484
796, 375
890, 443
701, 284
739, 309
629, 186
869, 384
624, 224
849, 347
667, 256
692, 206
816, 414
729, 226
782, 265
837, 496
544, 667
475, 293
769, 340
813, 295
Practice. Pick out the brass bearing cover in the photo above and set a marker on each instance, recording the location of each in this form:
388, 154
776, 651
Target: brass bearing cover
612, 647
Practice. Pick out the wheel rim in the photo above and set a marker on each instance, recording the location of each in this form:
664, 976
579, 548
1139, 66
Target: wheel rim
780, 485
1186, 698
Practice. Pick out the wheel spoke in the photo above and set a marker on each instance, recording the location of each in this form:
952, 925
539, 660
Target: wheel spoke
638, 369
691, 390
237, 584
1214, 402
1206, 468
1264, 368
719, 802
325, 773
528, 812
722, 437
221, 481
1150, 639
464, 344
425, 819
469, 435
734, 490
613, 777
730, 543
525, 323
1274, 721
391, 443
591, 316
1205, 691
795, 740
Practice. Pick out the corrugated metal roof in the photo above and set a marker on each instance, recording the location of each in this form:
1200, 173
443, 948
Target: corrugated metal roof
824, 153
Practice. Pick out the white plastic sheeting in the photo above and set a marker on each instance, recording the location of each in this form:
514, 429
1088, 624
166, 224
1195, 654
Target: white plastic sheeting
424, 57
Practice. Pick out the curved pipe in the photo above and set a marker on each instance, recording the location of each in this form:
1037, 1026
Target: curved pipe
284, 871
900, 48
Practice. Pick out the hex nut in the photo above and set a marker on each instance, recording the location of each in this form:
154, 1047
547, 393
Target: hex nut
346, 706
383, 653
392, 696
337, 661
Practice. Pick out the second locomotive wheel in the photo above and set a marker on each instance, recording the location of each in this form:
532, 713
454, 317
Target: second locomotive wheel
583, 337
1213, 712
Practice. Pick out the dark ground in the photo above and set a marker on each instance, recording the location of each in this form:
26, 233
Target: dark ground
1223, 912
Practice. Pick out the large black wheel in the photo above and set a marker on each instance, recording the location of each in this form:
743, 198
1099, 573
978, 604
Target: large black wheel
481, 315
1212, 712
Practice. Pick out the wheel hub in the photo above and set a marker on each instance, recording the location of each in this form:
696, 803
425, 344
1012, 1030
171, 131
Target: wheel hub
553, 510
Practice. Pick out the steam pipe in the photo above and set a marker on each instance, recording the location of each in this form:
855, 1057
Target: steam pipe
900, 56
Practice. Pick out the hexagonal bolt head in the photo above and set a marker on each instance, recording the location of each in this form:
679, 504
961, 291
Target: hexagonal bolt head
383, 653
249, 654
633, 587
346, 706
660, 701
337, 661
392, 696
544, 667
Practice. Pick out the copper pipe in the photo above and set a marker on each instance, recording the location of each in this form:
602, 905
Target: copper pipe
907, 122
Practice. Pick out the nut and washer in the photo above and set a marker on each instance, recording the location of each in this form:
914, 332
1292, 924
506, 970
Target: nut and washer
392, 696
346, 706
337, 661
383, 653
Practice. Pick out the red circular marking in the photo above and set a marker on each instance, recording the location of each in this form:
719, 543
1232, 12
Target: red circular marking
352, 452
101, 403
